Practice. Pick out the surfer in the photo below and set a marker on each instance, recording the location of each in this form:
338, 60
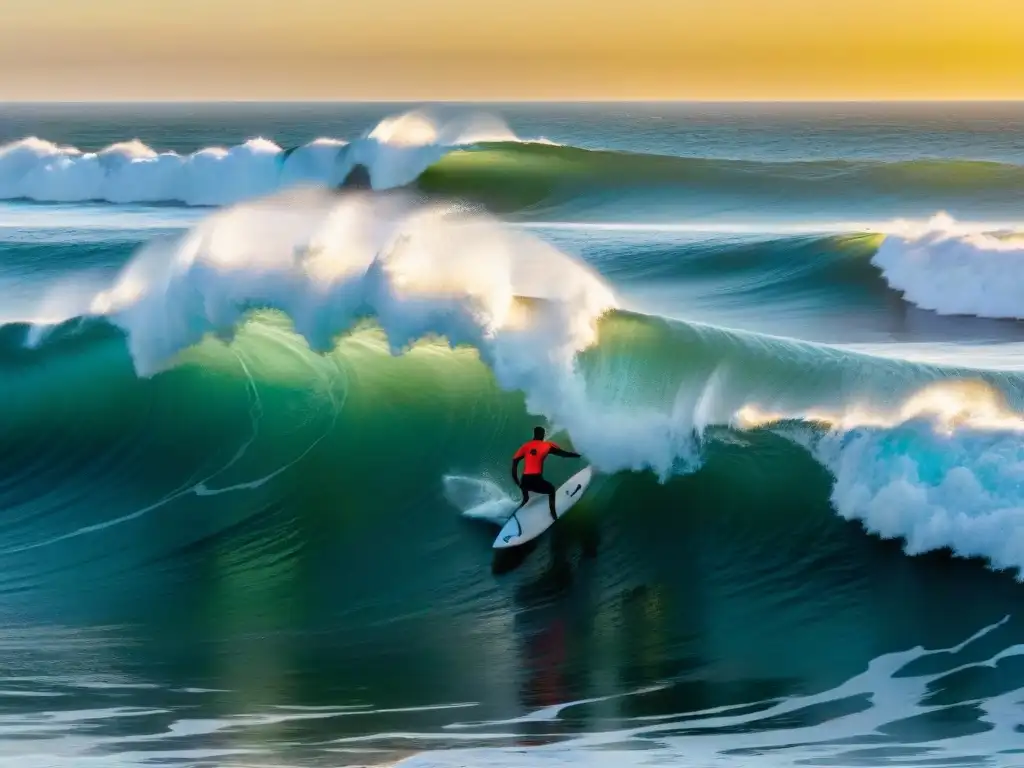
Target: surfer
533, 454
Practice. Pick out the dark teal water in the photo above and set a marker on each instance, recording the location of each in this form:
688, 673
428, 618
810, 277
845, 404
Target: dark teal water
264, 539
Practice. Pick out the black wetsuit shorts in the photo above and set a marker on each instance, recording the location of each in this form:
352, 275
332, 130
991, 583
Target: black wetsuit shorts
536, 483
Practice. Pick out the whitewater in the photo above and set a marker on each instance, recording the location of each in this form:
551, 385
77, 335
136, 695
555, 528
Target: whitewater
790, 353
395, 152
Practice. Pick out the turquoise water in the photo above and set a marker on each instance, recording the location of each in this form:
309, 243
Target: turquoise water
249, 489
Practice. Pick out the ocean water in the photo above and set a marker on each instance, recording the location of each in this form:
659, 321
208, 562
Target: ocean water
263, 368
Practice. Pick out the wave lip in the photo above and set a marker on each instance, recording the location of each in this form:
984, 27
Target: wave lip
400, 148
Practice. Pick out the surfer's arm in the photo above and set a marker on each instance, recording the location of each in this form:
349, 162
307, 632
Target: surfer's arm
564, 454
515, 468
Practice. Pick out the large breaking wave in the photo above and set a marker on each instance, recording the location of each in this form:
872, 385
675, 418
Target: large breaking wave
915, 452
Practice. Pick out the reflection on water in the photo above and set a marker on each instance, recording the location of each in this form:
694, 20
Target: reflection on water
609, 634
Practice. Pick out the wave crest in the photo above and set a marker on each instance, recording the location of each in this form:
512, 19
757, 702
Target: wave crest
131, 172
955, 270
945, 471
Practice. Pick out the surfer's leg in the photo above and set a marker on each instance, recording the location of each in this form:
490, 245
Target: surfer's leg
550, 490
524, 486
526, 498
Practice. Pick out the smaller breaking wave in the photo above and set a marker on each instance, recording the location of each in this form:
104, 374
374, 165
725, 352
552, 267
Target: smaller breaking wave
953, 269
943, 471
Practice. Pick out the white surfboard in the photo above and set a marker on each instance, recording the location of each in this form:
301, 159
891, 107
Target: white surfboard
535, 518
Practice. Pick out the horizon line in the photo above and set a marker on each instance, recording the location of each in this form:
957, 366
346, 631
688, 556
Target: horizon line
979, 100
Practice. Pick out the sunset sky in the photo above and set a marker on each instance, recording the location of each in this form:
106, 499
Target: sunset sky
53, 50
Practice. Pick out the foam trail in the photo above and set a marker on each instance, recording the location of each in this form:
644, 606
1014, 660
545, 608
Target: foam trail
945, 471
479, 499
394, 153
954, 269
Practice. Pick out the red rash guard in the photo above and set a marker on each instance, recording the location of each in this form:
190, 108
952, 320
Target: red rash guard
534, 453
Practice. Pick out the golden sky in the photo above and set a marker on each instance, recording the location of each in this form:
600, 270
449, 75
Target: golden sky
53, 50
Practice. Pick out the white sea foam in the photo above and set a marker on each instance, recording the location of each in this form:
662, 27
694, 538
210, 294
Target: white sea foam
944, 471
400, 148
953, 269
861, 721
393, 153
479, 498
817, 732
131, 172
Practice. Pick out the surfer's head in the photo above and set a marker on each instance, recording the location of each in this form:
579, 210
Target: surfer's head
538, 433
